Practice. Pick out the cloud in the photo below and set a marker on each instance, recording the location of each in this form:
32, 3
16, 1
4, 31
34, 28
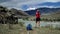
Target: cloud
19, 3
24, 4
31, 8
35, 7
53, 0
1, 1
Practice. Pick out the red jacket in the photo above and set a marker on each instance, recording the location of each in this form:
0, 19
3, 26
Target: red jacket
37, 14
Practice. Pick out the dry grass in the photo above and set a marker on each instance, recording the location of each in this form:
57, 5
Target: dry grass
17, 29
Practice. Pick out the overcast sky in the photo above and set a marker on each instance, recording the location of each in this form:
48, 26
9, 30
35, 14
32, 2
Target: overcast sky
29, 4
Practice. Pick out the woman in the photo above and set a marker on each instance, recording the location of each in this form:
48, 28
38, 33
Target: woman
37, 18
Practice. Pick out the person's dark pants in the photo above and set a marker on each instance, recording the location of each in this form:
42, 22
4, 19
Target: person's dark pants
37, 19
37, 22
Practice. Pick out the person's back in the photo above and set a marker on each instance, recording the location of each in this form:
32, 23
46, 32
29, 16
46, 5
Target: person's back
37, 14
29, 27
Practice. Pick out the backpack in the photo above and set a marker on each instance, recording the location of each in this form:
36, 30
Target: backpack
29, 27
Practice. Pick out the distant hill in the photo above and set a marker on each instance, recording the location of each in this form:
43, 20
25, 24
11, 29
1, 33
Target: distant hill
11, 16
4, 11
53, 16
43, 10
18, 12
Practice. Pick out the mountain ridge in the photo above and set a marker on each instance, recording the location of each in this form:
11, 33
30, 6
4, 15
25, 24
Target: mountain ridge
43, 10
